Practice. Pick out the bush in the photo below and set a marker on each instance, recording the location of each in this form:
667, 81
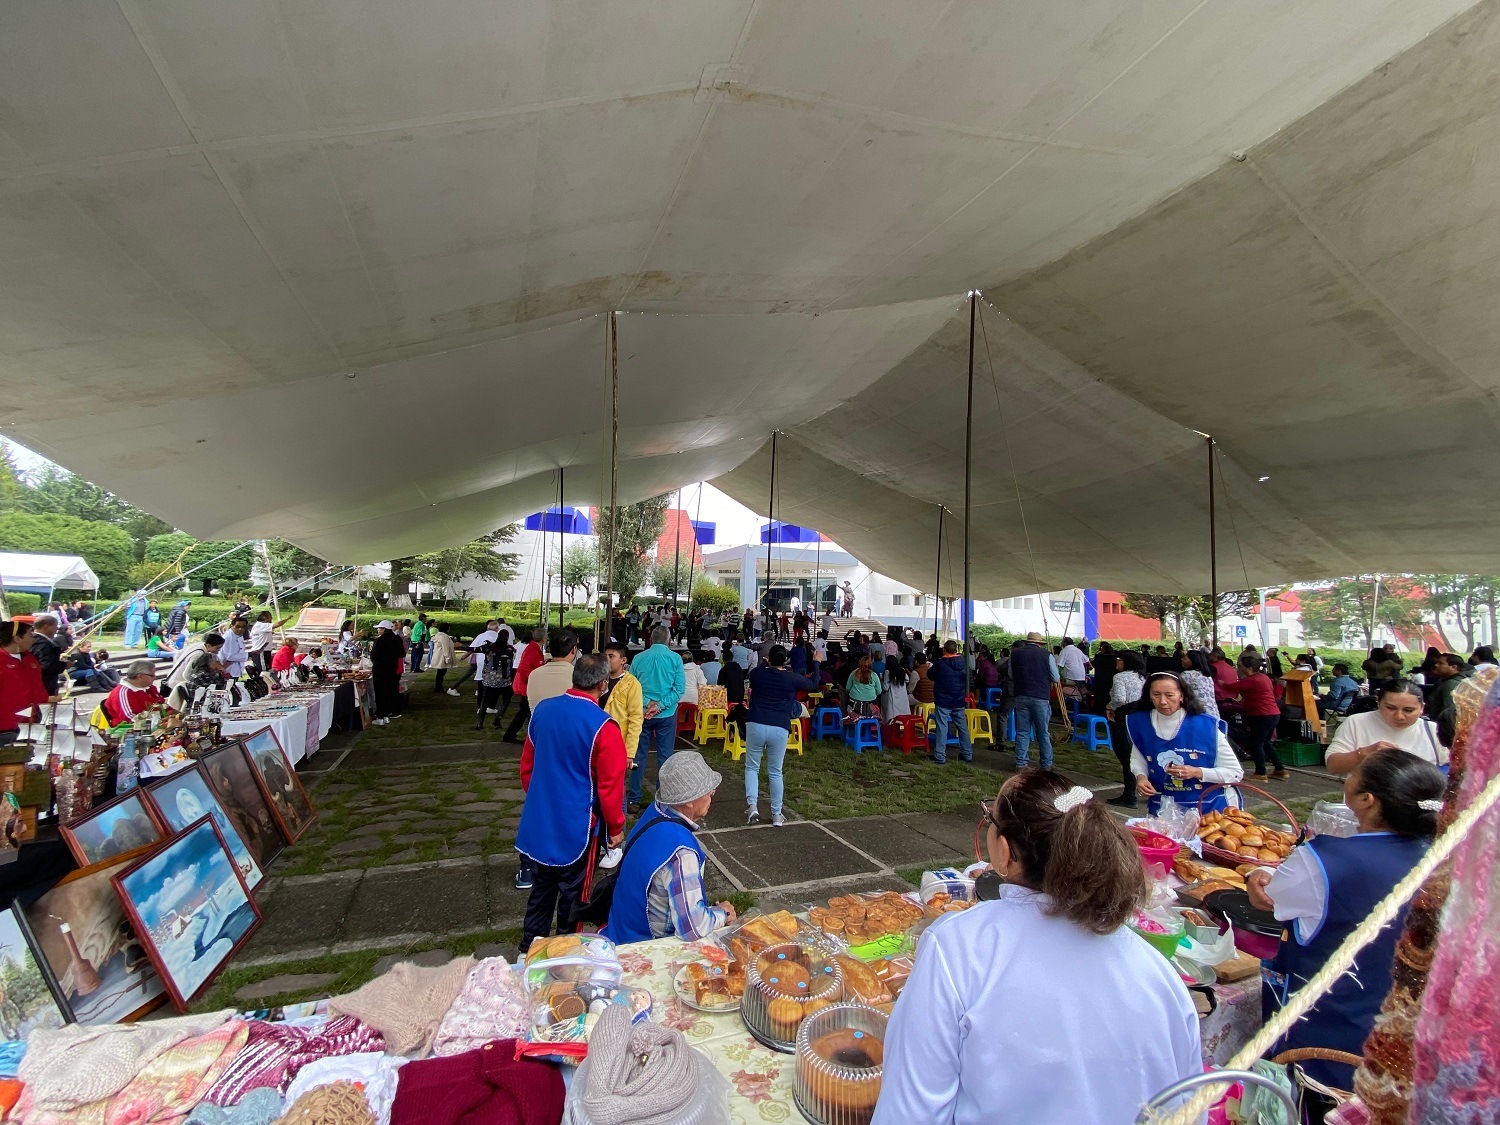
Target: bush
107, 549
714, 598
23, 604
479, 605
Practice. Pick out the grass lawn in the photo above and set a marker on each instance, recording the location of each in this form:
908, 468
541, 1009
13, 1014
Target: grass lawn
435, 718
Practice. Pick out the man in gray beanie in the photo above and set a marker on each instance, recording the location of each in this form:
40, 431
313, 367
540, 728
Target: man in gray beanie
659, 891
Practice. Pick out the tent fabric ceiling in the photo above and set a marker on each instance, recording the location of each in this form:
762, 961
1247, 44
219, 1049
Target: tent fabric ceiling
336, 271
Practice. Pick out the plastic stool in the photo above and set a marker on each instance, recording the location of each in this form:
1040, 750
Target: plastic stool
925, 710
908, 733
814, 698
1095, 731
992, 698
687, 718
948, 737
827, 722
711, 724
794, 737
979, 726
863, 735
1075, 709
1010, 727
734, 745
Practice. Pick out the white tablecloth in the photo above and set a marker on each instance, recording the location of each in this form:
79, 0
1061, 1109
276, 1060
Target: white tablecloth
300, 721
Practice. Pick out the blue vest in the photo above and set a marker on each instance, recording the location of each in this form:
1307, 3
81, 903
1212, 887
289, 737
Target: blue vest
1031, 670
1196, 744
1361, 870
557, 822
627, 910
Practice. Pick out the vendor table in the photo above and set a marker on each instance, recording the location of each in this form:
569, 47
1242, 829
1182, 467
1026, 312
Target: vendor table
300, 719
761, 1079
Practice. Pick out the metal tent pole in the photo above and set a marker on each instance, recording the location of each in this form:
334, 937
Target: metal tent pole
693, 558
965, 612
677, 552
765, 601
937, 596
562, 545
614, 464
1213, 546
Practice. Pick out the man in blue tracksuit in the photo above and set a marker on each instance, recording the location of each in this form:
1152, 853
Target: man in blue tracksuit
948, 703
1034, 672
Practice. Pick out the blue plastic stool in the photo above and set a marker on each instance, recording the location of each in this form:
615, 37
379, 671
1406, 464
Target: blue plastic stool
1010, 727
992, 697
828, 722
951, 739
1095, 732
1075, 710
863, 735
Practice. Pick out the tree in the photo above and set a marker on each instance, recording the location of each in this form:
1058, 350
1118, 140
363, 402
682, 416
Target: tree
59, 492
190, 554
636, 527
106, 548
580, 568
12, 487
289, 562
714, 598
1232, 603
1168, 610
670, 574
1347, 607
437, 569
1466, 597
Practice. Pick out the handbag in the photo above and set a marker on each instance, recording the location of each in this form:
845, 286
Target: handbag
594, 910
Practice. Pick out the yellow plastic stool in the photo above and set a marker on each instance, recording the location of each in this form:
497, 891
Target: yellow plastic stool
734, 745
979, 725
813, 699
711, 723
926, 711
794, 737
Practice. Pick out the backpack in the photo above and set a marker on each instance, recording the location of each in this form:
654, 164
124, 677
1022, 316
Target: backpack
594, 910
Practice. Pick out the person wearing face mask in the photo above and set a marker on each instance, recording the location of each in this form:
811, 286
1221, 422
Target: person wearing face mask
1331, 884
1397, 723
1178, 751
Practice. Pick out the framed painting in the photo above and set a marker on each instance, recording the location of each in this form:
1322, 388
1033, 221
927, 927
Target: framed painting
185, 797
98, 967
279, 782
233, 781
114, 829
190, 908
29, 999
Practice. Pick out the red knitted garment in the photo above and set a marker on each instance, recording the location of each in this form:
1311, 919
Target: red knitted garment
489, 1086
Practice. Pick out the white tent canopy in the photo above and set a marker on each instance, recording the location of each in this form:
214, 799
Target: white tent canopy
341, 273
41, 574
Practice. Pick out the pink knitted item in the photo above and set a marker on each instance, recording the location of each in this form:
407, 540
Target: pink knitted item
491, 1005
275, 1053
1457, 1047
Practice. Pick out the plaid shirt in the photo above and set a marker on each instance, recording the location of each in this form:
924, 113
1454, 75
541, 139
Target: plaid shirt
677, 901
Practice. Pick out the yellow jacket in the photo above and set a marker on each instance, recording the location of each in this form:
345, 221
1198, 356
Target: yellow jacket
626, 707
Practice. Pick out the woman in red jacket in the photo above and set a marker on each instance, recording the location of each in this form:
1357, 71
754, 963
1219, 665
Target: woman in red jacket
1262, 714
20, 680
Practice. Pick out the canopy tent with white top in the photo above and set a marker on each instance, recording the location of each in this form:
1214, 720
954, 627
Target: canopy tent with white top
44, 574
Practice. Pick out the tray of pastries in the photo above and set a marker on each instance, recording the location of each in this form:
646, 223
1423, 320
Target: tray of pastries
862, 919
1233, 836
709, 986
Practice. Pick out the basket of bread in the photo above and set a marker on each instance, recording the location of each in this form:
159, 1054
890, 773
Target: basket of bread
1233, 836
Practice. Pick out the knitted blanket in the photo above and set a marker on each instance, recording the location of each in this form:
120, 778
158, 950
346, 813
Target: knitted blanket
1457, 1046
407, 1003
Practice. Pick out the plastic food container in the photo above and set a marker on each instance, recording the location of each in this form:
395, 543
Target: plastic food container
564, 1012
1163, 932
784, 985
1154, 847
840, 1060
572, 959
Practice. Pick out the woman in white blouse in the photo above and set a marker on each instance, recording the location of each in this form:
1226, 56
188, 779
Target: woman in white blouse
1198, 680
1124, 697
1040, 1007
1177, 751
1396, 723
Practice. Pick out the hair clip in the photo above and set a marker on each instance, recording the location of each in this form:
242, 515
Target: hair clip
1431, 804
1074, 797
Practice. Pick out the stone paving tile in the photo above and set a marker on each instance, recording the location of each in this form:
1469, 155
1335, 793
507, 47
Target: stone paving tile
795, 854
356, 846
420, 899
954, 830
893, 843
302, 915
428, 959
285, 982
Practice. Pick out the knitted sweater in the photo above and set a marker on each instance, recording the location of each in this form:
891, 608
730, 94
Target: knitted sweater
407, 1003
489, 1086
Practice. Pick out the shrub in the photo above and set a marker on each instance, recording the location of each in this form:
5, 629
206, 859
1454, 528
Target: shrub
479, 605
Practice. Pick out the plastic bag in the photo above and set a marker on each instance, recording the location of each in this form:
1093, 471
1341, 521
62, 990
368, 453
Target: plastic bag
1332, 819
1180, 822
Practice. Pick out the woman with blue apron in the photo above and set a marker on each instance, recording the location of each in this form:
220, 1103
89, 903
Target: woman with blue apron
1177, 751
1331, 884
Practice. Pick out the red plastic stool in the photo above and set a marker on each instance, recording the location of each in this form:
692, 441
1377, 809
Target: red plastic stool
908, 733
687, 718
